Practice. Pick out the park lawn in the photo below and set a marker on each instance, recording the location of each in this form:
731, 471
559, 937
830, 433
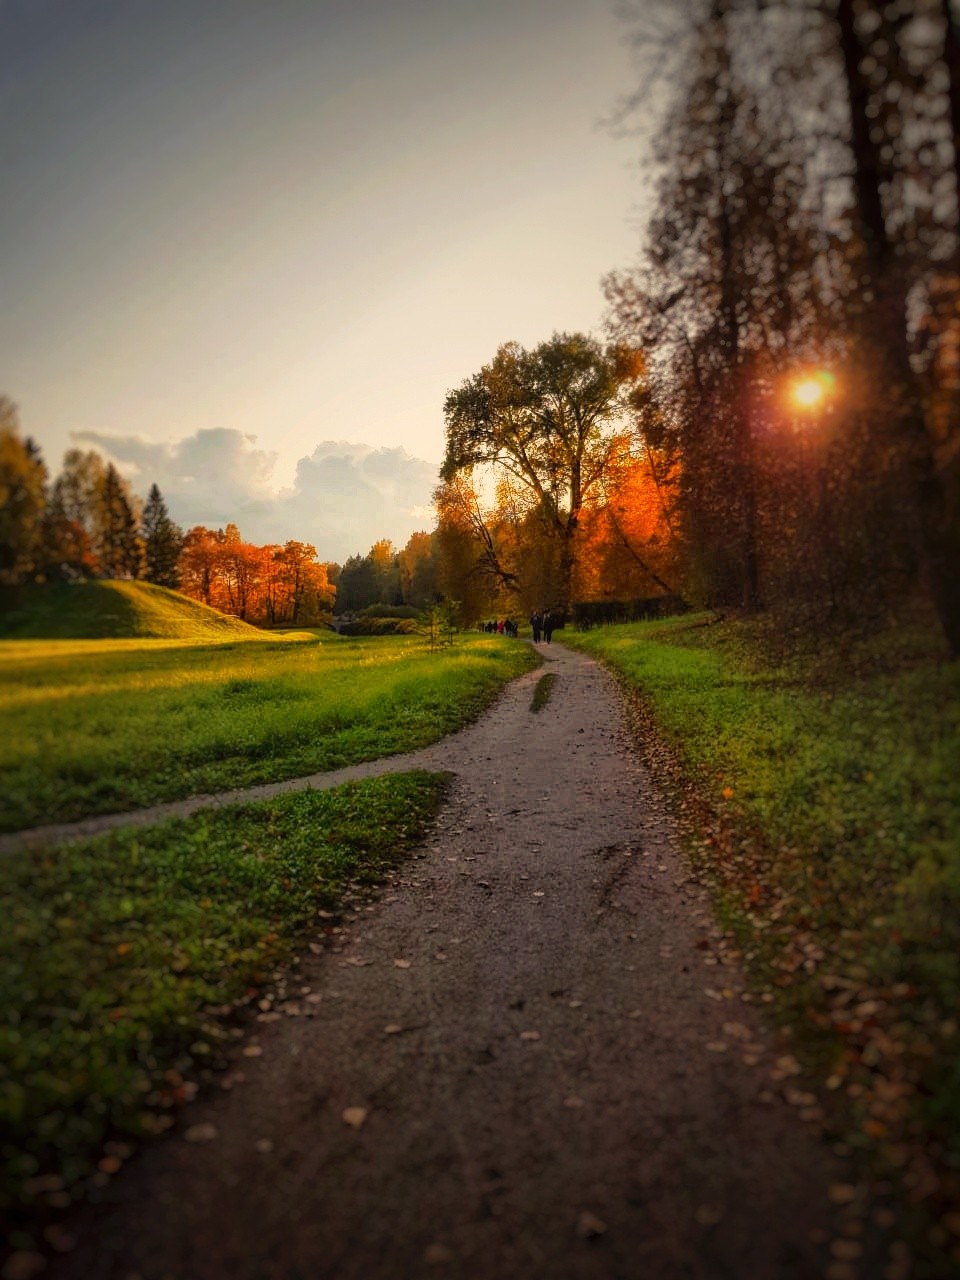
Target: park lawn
822, 790
91, 727
120, 990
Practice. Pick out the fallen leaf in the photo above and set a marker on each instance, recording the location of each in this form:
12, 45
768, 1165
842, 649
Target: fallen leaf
436, 1255
205, 1132
392, 1029
846, 1250
109, 1164
573, 1102
355, 1116
529, 1035
252, 1051
264, 1146
708, 1215
842, 1193
402, 964
716, 1046
589, 1226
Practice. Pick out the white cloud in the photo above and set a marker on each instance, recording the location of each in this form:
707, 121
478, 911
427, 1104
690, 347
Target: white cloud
343, 498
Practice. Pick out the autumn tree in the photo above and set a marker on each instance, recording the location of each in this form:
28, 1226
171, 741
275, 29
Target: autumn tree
417, 563
903, 98
162, 541
199, 563
544, 418
22, 499
304, 595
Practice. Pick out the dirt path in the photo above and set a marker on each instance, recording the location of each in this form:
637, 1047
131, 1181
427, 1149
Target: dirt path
566, 1097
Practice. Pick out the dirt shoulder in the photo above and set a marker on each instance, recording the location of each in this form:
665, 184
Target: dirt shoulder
545, 1076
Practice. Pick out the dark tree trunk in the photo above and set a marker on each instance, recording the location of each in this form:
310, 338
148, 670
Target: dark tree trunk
937, 523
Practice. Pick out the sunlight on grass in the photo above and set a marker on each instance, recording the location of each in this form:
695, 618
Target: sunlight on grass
91, 728
825, 784
127, 984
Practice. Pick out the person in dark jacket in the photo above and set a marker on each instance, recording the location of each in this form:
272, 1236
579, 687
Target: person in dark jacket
535, 623
547, 626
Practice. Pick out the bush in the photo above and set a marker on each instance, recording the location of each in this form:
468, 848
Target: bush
603, 613
376, 626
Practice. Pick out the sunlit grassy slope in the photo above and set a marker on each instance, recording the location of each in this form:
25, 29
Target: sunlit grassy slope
113, 610
98, 726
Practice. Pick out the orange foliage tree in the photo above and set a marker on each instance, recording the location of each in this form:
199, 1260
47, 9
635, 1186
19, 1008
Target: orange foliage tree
266, 585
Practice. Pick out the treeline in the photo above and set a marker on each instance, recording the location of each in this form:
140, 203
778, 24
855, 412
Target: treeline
87, 523
788, 431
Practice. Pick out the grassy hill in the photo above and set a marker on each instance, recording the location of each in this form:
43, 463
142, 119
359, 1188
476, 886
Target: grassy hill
112, 610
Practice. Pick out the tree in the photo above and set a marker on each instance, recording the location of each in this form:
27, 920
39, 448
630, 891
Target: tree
22, 499
76, 496
884, 58
307, 596
543, 417
418, 570
118, 542
199, 564
162, 540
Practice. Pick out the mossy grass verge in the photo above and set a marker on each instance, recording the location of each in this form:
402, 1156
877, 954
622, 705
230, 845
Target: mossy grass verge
820, 782
542, 691
126, 962
104, 726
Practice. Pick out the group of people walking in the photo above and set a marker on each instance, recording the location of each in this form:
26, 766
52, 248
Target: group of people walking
542, 624
500, 627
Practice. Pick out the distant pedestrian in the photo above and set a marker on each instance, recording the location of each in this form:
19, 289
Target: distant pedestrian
500, 627
548, 626
535, 623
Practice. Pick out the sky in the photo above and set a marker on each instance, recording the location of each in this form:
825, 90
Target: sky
247, 246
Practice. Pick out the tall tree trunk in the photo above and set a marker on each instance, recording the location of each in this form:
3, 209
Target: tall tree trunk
938, 525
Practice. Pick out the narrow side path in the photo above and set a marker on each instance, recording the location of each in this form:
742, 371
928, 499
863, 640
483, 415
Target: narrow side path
544, 1074
432, 757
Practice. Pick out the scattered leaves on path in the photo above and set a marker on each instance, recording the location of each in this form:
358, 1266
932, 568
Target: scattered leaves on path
205, 1132
355, 1117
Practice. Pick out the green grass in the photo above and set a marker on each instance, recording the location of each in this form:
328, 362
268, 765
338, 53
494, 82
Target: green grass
112, 610
117, 988
823, 786
91, 727
542, 691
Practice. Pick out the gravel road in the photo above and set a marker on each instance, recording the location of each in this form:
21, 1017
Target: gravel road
544, 1071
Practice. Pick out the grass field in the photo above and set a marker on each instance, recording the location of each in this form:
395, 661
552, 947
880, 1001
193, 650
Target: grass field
91, 727
124, 988
112, 611
825, 786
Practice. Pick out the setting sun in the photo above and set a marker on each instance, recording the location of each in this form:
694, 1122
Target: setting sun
809, 391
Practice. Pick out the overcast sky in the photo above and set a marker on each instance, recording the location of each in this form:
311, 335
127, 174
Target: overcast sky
235, 231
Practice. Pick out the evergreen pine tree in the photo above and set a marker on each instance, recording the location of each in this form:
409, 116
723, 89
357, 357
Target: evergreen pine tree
162, 540
120, 547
